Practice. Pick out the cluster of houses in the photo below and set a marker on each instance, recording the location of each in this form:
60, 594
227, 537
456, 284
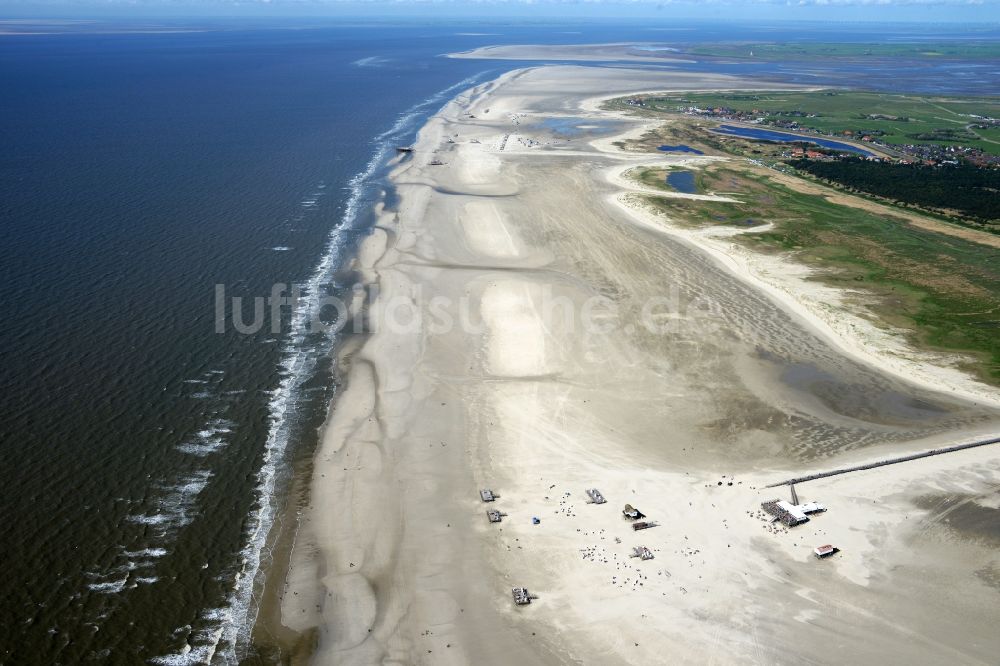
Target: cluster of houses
805, 152
751, 116
915, 153
946, 155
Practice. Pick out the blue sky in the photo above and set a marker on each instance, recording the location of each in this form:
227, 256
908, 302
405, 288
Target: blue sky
973, 11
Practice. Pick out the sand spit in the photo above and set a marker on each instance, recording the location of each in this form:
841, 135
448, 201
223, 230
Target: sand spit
534, 334
625, 52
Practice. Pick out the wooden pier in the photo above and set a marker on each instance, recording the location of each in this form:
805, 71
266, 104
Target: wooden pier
883, 463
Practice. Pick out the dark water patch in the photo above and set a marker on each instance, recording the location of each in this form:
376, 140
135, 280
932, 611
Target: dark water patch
990, 575
682, 181
757, 134
572, 126
680, 148
967, 516
884, 406
880, 404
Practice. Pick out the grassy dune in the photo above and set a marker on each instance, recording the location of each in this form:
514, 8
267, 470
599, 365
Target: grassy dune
945, 290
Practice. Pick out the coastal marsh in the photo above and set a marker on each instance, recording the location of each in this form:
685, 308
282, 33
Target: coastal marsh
944, 290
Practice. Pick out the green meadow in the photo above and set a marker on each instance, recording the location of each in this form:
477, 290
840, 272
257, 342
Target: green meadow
904, 119
944, 290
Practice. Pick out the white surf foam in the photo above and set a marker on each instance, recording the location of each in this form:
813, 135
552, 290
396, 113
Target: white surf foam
176, 508
110, 587
113, 581
200, 647
237, 620
224, 632
146, 552
209, 440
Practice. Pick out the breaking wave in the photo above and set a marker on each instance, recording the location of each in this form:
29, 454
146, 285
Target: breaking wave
226, 632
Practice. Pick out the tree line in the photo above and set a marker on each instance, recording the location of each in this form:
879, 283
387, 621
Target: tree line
973, 192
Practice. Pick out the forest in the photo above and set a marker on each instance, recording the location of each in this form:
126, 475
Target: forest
968, 191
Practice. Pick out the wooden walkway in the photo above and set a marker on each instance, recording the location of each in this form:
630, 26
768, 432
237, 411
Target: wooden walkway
883, 463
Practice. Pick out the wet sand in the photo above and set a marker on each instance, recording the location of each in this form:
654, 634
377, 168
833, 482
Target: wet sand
691, 386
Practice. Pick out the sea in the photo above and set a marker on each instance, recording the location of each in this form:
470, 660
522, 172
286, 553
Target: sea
145, 455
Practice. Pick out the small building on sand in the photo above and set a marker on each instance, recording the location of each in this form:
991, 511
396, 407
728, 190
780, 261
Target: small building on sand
791, 514
595, 496
632, 513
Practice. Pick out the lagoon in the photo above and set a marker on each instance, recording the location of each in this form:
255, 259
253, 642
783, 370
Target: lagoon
786, 137
682, 181
680, 148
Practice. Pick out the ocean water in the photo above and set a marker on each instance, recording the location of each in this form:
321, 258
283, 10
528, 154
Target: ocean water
144, 456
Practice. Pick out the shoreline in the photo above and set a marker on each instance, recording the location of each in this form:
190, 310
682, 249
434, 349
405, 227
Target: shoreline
394, 559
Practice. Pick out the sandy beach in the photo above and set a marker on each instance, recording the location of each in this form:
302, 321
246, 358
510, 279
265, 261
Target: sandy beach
535, 330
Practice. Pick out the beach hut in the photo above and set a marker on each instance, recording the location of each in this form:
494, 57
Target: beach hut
632, 513
824, 551
595, 496
642, 553
488, 495
521, 596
